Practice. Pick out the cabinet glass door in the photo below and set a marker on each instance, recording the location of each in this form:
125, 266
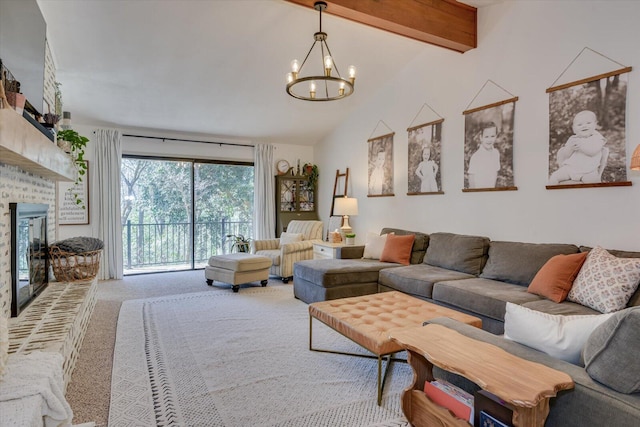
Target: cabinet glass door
288, 195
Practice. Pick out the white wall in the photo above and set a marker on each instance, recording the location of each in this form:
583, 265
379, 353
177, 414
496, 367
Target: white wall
523, 46
179, 149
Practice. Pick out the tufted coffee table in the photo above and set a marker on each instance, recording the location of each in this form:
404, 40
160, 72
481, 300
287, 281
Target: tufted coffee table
367, 320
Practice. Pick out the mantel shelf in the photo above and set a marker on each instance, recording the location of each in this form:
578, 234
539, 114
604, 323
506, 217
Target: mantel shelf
24, 146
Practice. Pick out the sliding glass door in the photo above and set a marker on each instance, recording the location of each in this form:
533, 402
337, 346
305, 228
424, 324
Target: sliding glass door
177, 213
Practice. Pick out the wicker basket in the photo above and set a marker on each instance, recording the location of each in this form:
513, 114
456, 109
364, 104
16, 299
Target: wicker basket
73, 267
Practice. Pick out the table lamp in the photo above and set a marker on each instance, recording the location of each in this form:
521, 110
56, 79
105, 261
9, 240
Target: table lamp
346, 206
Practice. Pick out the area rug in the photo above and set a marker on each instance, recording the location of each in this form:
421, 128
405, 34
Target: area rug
219, 358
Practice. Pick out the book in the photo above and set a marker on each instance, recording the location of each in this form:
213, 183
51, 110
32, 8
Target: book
487, 420
451, 397
492, 405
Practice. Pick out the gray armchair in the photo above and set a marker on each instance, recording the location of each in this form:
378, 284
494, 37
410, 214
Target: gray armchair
283, 256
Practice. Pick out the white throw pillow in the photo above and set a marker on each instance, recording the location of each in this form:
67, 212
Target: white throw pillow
559, 336
605, 282
374, 245
290, 237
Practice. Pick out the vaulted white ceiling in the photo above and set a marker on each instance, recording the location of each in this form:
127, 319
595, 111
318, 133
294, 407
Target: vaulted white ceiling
210, 67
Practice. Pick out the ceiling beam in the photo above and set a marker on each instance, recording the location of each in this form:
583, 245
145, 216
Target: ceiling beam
445, 23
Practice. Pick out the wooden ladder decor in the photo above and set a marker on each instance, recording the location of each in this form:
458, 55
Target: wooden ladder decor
335, 187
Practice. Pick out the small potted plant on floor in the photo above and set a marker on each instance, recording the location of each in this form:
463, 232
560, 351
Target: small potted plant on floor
239, 243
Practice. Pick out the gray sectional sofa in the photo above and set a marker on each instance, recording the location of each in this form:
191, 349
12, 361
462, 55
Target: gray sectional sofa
478, 276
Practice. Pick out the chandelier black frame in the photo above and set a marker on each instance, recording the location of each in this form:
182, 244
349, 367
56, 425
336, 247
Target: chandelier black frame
323, 87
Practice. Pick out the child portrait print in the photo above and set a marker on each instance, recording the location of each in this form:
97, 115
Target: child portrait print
381, 166
587, 133
423, 174
488, 147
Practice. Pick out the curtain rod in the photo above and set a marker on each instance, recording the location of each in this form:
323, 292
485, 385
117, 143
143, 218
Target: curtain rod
189, 140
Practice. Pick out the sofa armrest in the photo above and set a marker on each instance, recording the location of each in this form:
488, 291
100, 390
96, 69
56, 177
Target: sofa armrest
264, 245
350, 252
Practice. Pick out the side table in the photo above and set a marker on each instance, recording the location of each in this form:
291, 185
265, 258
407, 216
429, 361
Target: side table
326, 250
525, 386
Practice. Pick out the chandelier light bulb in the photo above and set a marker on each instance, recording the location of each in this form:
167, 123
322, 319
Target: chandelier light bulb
312, 89
352, 73
289, 77
341, 89
295, 66
328, 64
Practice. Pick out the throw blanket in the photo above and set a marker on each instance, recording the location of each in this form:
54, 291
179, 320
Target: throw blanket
34, 382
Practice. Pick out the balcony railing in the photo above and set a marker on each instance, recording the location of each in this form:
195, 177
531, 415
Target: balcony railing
149, 246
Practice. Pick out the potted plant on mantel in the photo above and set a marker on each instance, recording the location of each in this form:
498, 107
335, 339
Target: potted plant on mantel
74, 144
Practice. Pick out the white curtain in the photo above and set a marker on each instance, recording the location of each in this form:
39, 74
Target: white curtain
106, 191
264, 206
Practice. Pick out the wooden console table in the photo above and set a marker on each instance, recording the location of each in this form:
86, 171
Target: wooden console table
525, 386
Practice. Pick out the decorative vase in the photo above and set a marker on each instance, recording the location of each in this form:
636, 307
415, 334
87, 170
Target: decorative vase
65, 145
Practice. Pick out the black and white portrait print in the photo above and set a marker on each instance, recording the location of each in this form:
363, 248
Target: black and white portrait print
587, 132
488, 147
381, 166
423, 166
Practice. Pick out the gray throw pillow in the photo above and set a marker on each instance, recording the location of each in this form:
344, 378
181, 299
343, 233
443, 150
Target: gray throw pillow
518, 263
611, 352
458, 252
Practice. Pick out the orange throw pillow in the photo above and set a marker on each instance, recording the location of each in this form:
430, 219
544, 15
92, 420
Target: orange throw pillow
555, 278
398, 249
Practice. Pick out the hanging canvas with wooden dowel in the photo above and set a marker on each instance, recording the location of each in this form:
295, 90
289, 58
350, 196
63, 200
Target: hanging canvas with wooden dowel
488, 144
587, 145
424, 154
380, 165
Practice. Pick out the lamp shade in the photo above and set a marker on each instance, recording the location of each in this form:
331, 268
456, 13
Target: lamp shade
635, 159
346, 206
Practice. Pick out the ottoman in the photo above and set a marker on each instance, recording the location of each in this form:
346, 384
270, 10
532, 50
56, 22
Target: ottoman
238, 268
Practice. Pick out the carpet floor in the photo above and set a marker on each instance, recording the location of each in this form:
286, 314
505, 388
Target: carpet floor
232, 360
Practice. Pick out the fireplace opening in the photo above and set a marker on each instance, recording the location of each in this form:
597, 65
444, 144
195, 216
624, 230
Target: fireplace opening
29, 253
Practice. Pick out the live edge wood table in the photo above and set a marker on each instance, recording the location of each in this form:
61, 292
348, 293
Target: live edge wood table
525, 386
368, 319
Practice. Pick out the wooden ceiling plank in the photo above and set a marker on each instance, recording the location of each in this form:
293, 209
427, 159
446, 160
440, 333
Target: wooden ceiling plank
444, 23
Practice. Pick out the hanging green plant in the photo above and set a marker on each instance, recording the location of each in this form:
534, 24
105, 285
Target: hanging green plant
312, 172
77, 144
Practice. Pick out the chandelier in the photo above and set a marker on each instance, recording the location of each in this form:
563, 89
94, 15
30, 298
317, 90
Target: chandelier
322, 87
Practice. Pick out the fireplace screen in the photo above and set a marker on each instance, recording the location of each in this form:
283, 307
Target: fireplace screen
29, 253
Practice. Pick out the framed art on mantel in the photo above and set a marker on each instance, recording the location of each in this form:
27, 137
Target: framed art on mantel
70, 212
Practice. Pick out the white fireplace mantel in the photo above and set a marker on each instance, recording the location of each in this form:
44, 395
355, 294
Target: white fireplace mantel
24, 146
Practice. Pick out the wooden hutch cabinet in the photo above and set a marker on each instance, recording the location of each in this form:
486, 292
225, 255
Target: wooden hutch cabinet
295, 199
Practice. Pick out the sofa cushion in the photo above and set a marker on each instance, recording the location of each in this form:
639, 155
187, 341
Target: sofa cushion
458, 252
374, 245
338, 272
606, 282
555, 278
417, 280
566, 308
420, 243
518, 263
563, 337
482, 296
398, 249
611, 352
